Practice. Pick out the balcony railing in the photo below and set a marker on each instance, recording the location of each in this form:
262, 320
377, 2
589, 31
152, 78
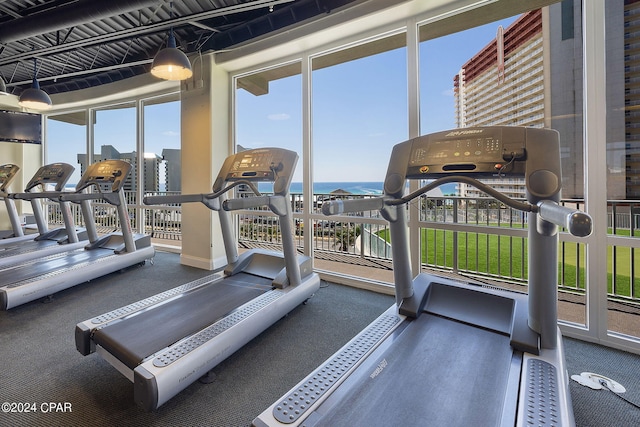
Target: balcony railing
473, 236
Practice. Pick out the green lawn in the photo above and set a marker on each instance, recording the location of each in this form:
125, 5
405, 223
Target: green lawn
506, 257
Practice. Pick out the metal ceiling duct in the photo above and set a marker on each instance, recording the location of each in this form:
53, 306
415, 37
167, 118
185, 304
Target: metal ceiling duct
69, 15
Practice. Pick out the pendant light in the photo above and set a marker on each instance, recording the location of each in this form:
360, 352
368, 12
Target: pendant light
35, 98
3, 87
171, 63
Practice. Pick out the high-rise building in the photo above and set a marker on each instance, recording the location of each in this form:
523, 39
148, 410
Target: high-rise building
151, 174
531, 75
151, 167
504, 84
173, 169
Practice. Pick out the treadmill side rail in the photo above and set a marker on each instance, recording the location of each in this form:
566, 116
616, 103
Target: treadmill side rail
162, 375
18, 293
545, 387
84, 330
301, 401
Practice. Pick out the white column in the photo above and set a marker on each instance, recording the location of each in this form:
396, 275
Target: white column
205, 103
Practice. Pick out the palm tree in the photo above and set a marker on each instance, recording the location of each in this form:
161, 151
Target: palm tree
345, 237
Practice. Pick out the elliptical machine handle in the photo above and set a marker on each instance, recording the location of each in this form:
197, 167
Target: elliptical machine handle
575, 221
337, 207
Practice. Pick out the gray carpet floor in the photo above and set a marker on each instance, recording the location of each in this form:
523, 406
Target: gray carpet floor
42, 372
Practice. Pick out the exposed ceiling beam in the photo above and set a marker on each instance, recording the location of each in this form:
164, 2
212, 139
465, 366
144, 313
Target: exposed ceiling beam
85, 72
142, 30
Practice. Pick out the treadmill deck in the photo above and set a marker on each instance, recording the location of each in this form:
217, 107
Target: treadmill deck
135, 338
443, 372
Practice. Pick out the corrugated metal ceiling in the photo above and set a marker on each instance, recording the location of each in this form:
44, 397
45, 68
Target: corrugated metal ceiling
83, 43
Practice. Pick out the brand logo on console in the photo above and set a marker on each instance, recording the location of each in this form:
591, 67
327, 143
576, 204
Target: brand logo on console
464, 132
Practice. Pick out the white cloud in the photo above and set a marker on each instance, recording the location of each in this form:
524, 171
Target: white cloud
170, 133
279, 116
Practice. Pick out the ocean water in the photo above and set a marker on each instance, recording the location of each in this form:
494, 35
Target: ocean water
359, 188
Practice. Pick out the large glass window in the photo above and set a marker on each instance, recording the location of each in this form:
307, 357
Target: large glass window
162, 173
500, 74
269, 114
66, 140
115, 136
162, 146
359, 112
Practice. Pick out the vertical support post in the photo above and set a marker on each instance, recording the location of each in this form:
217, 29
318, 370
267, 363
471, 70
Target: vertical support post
307, 164
595, 151
455, 237
89, 220
41, 221
413, 97
69, 224
13, 217
288, 244
543, 282
228, 236
125, 222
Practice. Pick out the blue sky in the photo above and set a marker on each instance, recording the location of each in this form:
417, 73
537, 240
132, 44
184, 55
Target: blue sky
359, 111
359, 108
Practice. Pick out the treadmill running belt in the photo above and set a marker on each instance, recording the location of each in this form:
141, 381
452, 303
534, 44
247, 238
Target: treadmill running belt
438, 372
143, 334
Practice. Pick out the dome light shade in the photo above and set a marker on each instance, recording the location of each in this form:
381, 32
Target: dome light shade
3, 87
171, 63
35, 98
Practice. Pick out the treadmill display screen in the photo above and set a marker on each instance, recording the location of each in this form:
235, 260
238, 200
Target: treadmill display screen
7, 173
260, 165
466, 152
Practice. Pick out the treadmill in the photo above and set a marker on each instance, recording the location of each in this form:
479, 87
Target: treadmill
7, 173
166, 342
47, 242
448, 352
99, 256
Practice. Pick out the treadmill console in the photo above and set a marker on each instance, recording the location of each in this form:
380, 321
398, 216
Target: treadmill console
112, 172
7, 173
481, 152
468, 151
55, 173
261, 164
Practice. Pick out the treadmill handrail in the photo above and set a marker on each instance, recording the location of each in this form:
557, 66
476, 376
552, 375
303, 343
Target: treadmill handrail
52, 195
578, 223
111, 198
207, 199
277, 203
337, 207
340, 206
246, 203
521, 206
